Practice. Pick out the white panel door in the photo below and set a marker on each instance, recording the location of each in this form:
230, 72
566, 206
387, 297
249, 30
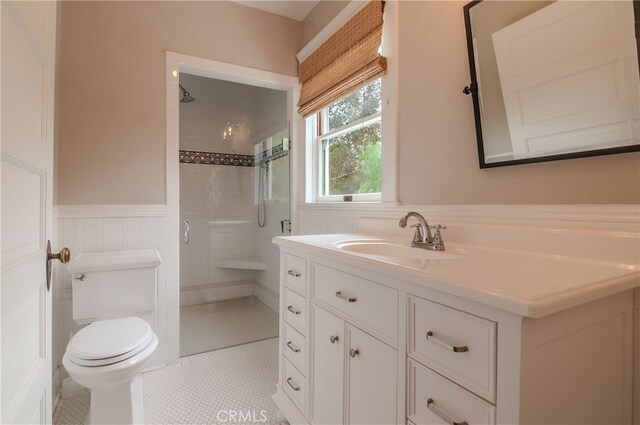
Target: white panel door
569, 77
371, 379
328, 368
28, 62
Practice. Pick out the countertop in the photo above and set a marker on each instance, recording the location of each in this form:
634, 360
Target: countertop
523, 283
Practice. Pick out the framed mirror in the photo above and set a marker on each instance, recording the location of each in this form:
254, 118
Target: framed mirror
553, 80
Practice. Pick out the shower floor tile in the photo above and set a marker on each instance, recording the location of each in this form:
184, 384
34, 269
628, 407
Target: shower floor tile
208, 327
203, 389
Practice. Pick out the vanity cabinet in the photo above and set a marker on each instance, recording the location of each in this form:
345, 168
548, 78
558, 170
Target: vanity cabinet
359, 346
349, 386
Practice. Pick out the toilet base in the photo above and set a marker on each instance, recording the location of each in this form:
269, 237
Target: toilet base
122, 404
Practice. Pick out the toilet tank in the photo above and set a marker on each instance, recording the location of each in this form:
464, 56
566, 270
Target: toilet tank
108, 285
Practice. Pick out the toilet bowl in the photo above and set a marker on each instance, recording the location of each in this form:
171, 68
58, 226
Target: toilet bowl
107, 357
111, 290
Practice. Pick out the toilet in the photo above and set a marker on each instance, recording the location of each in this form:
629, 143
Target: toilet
111, 292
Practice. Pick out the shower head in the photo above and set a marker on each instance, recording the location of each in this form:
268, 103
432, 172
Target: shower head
186, 97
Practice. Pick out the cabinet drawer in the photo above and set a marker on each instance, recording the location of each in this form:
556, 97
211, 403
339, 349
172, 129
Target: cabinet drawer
295, 310
458, 345
370, 303
294, 384
294, 347
432, 399
295, 273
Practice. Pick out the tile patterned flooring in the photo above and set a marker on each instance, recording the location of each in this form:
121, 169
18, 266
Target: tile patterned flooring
207, 327
203, 389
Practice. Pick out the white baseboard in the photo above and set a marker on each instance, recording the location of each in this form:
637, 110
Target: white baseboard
268, 297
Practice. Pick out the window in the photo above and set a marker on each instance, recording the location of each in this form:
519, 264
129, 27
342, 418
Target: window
348, 145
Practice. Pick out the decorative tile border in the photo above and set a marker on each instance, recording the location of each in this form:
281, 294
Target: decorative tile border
272, 154
232, 159
213, 158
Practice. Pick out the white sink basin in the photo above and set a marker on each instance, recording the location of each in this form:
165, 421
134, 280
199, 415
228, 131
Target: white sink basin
381, 248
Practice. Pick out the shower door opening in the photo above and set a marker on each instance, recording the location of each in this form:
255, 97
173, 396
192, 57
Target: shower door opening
234, 199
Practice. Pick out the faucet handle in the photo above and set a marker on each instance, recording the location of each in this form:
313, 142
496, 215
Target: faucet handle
437, 237
417, 236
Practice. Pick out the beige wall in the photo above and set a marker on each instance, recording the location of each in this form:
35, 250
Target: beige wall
111, 103
111, 97
319, 17
437, 145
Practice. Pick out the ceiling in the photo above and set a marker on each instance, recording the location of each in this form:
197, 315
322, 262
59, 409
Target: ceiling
297, 10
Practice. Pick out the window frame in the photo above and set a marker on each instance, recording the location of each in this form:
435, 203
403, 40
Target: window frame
308, 157
321, 179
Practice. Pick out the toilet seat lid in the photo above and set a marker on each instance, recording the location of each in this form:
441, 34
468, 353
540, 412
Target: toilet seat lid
110, 338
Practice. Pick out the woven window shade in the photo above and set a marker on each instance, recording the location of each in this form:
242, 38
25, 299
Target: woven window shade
346, 61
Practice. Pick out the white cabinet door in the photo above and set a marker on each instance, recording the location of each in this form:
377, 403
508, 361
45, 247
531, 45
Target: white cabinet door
28, 65
328, 367
371, 379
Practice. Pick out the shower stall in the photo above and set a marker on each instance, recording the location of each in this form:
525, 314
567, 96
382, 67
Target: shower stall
234, 198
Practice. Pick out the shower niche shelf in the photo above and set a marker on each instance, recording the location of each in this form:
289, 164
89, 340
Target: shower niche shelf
240, 263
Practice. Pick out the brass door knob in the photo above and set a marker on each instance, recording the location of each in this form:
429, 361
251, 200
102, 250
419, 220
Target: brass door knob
64, 256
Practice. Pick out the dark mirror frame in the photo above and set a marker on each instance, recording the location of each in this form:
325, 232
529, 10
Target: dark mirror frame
472, 89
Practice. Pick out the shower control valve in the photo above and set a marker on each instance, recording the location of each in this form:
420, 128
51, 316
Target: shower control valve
285, 226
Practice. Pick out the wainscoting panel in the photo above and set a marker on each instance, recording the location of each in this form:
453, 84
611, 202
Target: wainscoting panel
97, 228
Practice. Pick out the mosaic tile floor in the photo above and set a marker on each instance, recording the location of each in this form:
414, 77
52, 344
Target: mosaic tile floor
203, 389
207, 327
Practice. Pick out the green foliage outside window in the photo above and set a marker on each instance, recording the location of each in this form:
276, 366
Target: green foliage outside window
362, 103
354, 157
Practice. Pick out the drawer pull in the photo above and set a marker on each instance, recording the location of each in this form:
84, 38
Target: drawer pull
294, 274
345, 298
455, 349
353, 353
333, 339
292, 348
293, 310
442, 415
294, 387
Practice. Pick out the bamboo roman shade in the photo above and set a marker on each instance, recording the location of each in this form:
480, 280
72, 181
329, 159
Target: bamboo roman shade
346, 61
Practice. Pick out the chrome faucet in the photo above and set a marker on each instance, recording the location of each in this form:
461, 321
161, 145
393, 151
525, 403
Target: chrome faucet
423, 238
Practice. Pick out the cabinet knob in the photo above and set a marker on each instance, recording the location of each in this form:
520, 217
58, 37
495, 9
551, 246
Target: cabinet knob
333, 339
353, 353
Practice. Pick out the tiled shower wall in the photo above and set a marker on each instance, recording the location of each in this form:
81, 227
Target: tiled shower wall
213, 193
89, 229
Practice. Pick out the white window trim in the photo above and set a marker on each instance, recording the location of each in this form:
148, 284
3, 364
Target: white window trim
389, 119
